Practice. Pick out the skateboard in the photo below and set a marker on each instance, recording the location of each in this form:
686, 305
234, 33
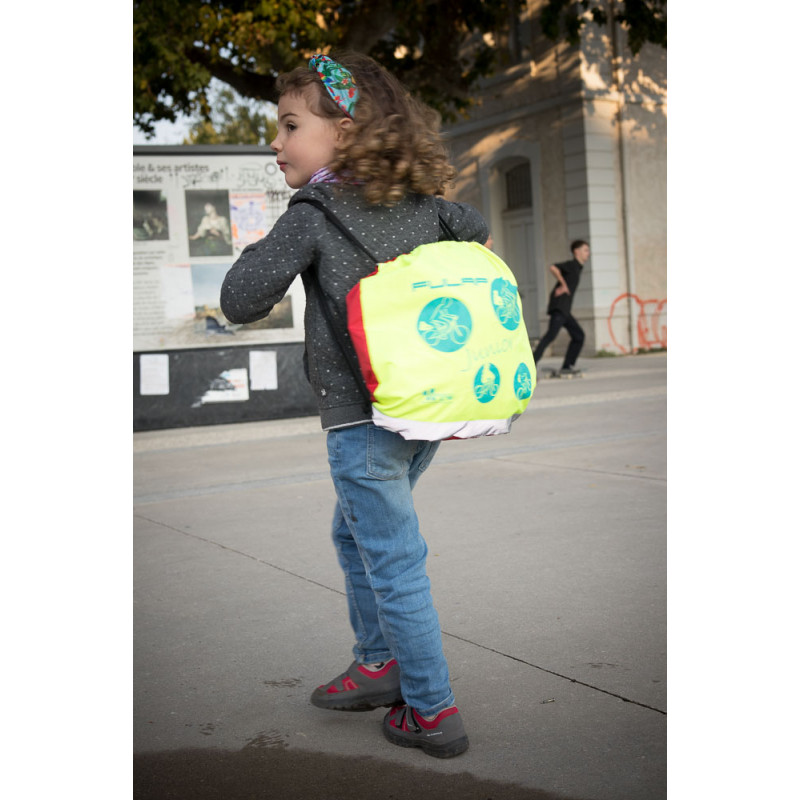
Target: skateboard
555, 373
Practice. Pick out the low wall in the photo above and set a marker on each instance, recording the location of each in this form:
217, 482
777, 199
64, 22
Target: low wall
212, 386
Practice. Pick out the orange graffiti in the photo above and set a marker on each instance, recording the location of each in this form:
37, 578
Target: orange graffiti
650, 329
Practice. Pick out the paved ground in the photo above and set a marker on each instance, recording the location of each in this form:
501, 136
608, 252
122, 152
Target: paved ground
548, 565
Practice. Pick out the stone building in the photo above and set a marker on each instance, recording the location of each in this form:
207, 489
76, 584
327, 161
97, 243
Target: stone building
569, 142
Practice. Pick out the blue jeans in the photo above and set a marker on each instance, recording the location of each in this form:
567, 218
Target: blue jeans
380, 548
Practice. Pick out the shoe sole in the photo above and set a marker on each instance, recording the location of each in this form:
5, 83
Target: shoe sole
454, 748
328, 702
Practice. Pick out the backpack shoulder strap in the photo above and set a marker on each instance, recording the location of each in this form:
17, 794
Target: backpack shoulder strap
447, 229
340, 336
341, 227
348, 234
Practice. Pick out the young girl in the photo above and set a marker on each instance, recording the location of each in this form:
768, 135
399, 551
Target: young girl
351, 137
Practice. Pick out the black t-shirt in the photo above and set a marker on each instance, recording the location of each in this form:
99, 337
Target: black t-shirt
571, 271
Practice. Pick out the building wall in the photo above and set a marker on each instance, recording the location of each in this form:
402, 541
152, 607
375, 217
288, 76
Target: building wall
591, 123
635, 88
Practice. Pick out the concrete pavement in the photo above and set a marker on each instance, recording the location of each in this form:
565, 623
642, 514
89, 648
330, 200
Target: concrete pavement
548, 567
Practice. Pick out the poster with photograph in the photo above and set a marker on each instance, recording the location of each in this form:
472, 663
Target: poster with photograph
212, 229
150, 215
194, 211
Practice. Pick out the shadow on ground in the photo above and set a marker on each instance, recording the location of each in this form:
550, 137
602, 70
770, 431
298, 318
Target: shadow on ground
280, 774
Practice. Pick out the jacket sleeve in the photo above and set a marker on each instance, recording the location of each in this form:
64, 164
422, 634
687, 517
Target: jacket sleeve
466, 222
265, 270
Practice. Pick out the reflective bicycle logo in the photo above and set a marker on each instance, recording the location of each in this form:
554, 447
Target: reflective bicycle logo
506, 303
487, 382
445, 324
523, 383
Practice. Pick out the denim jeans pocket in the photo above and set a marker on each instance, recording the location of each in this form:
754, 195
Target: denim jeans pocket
389, 455
427, 454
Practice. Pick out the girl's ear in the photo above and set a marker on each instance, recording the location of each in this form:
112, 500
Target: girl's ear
343, 124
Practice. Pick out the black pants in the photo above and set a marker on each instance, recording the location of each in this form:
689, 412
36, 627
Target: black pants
559, 320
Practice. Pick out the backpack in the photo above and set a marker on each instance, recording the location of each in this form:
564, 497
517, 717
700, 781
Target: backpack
442, 350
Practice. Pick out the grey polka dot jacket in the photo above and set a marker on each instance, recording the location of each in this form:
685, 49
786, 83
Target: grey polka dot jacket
303, 238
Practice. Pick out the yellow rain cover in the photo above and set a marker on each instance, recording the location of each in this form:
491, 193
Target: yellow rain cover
441, 342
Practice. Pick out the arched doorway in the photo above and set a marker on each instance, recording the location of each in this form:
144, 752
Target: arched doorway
518, 236
511, 193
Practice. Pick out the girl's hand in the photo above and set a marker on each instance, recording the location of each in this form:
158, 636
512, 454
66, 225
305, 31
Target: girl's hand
561, 290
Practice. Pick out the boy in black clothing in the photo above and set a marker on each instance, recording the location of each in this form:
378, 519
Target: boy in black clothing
567, 275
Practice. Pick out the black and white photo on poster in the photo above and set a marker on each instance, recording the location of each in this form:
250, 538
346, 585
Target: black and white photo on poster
208, 222
150, 219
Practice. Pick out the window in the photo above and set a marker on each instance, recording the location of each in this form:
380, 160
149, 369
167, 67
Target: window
514, 40
518, 187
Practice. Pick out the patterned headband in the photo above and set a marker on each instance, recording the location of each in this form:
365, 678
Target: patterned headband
339, 82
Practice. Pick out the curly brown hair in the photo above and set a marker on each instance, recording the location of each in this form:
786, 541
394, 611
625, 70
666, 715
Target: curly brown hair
393, 146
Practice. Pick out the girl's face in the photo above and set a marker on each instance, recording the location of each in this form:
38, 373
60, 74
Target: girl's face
305, 141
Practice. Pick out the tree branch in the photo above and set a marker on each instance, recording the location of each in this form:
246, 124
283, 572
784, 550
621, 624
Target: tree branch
247, 84
370, 22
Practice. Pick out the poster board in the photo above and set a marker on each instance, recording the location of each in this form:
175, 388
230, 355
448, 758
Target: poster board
194, 210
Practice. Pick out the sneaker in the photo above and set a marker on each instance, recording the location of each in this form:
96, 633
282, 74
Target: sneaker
442, 737
568, 372
360, 689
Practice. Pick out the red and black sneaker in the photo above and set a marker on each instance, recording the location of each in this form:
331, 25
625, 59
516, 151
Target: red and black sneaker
360, 689
443, 736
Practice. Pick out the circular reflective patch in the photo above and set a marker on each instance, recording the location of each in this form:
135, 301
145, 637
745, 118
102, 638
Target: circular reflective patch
445, 324
486, 383
505, 301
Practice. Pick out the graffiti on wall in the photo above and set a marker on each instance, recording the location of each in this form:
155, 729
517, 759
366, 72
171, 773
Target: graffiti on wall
651, 323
